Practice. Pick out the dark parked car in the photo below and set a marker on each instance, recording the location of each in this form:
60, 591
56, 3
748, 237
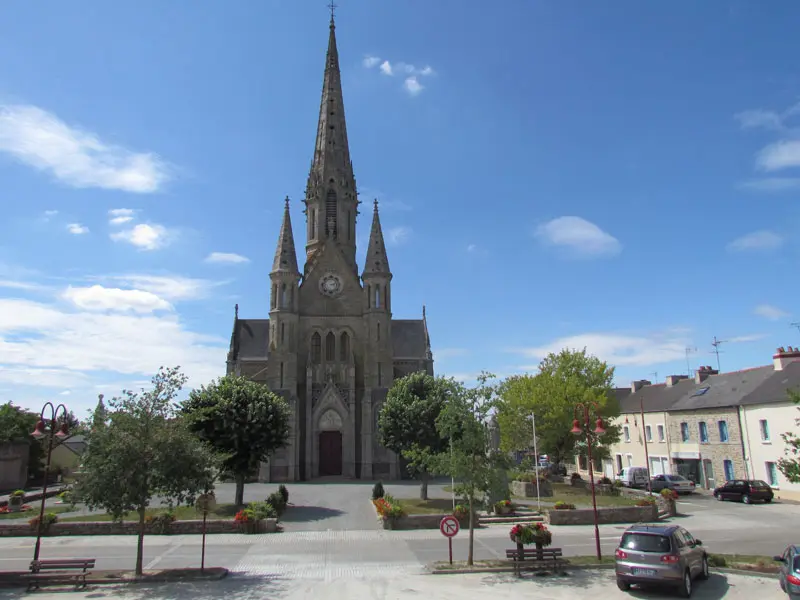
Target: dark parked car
789, 575
745, 490
661, 555
673, 482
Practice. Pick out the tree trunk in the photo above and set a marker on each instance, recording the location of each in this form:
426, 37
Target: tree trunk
239, 496
423, 486
140, 544
471, 530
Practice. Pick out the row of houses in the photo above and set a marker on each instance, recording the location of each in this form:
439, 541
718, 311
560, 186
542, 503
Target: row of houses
712, 428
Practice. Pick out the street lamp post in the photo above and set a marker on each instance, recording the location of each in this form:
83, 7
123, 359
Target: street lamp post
583, 427
52, 433
536, 465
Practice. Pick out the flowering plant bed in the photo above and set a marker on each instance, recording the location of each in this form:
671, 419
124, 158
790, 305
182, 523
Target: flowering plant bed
389, 510
536, 533
563, 506
669, 494
504, 507
647, 501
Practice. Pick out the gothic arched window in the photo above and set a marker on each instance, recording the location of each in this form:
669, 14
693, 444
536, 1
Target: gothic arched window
330, 347
377, 296
316, 348
330, 213
344, 348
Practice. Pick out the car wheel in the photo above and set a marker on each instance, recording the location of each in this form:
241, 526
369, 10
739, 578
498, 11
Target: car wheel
623, 585
685, 590
746, 499
767, 500
718, 497
704, 571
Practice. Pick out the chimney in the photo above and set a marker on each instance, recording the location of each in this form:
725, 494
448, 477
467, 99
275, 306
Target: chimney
785, 356
703, 373
637, 385
673, 379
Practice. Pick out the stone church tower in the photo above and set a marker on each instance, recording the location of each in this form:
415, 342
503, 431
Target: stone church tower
330, 345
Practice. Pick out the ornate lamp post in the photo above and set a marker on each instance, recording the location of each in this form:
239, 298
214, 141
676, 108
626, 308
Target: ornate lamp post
52, 433
580, 427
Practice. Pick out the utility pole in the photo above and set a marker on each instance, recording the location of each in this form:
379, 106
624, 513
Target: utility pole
717, 343
689, 350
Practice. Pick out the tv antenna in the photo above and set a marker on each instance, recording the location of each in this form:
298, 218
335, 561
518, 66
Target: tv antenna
795, 324
717, 343
655, 376
689, 350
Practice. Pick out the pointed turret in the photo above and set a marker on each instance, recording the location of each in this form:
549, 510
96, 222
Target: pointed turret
331, 198
376, 260
285, 254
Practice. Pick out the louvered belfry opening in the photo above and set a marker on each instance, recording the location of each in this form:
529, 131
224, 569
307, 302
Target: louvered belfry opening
330, 214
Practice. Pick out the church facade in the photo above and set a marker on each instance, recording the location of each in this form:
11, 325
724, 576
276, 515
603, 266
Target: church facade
330, 345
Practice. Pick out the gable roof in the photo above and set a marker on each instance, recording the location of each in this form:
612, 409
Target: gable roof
654, 398
409, 339
252, 338
723, 390
774, 388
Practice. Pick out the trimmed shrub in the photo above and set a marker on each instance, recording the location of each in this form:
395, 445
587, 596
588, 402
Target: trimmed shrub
378, 491
275, 499
284, 493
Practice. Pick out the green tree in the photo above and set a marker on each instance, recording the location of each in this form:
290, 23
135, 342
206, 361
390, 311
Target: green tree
469, 458
16, 425
143, 451
789, 465
407, 422
564, 380
242, 420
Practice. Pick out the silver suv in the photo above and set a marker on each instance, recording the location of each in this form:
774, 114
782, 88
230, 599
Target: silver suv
660, 554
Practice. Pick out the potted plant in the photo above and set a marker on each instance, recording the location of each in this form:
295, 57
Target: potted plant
561, 505
461, 512
670, 497
504, 507
16, 500
48, 519
537, 533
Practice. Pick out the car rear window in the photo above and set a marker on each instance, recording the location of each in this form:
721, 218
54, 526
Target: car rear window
759, 483
645, 542
797, 564
676, 478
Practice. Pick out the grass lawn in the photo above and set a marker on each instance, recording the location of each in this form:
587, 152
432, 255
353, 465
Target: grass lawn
426, 507
581, 498
34, 513
182, 513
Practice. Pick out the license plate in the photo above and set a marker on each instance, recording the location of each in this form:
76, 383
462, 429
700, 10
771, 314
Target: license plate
644, 572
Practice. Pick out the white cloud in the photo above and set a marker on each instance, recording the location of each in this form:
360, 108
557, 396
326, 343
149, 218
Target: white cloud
119, 216
75, 157
77, 229
758, 240
48, 214
398, 235
616, 349
386, 68
779, 155
226, 258
758, 118
471, 247
773, 313
173, 288
426, 71
412, 85
444, 353
370, 61
741, 339
579, 236
772, 184
43, 345
20, 285
144, 236
102, 298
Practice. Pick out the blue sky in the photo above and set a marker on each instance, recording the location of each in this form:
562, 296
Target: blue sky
622, 176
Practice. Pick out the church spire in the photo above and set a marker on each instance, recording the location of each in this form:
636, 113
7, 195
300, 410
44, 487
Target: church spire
331, 198
376, 260
285, 255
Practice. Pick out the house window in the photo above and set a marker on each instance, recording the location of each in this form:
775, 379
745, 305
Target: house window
619, 463
661, 437
583, 462
626, 432
648, 432
723, 431
728, 465
316, 348
764, 426
703, 432
772, 473
629, 458
330, 347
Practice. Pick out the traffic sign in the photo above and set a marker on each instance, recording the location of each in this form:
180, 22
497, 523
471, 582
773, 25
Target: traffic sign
449, 526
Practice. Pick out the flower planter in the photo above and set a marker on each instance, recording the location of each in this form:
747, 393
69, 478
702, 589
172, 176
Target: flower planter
604, 489
501, 510
15, 503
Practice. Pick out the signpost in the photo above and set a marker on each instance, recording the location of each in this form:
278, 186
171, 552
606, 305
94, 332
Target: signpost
205, 503
449, 527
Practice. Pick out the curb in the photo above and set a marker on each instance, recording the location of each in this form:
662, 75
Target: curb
607, 567
214, 574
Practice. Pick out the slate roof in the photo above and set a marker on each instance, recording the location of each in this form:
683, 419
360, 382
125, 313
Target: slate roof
773, 389
723, 390
253, 338
655, 398
408, 338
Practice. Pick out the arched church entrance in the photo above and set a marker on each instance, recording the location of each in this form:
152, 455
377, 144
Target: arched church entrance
330, 444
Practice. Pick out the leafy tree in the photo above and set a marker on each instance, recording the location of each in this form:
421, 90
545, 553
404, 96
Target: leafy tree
143, 451
242, 420
564, 380
16, 425
469, 458
407, 422
789, 465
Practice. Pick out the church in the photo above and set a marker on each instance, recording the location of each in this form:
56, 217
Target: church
330, 345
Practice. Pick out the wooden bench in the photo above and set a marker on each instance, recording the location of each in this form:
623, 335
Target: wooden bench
533, 559
59, 569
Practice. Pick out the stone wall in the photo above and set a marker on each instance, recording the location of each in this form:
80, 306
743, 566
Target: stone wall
622, 514
526, 489
414, 522
128, 528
